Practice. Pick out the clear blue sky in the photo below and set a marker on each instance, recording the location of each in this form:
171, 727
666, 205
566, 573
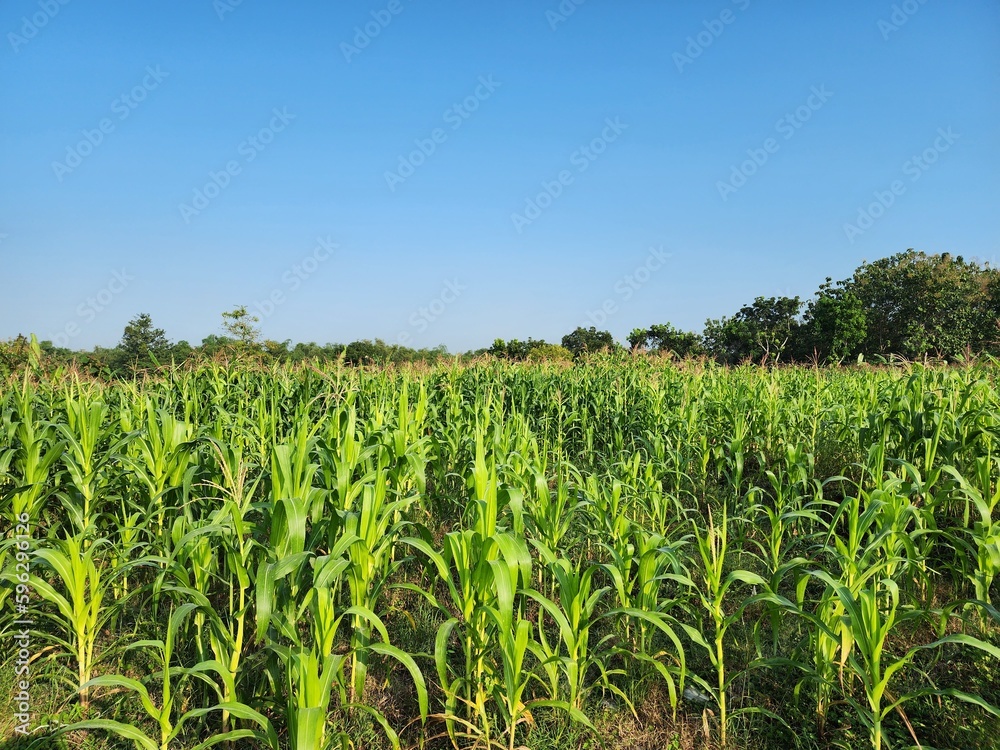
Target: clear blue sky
68, 225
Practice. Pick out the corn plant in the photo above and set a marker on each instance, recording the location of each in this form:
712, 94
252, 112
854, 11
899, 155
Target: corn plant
870, 614
981, 538
35, 450
167, 716
312, 670
82, 596
572, 658
160, 458
374, 531
579, 533
710, 587
85, 458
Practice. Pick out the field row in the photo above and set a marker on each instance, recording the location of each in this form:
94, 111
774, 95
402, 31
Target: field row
615, 554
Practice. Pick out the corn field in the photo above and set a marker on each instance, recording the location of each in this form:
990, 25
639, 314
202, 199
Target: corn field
621, 553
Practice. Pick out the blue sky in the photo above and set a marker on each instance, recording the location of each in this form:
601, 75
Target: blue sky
435, 172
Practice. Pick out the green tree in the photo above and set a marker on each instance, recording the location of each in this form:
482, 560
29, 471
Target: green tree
241, 326
366, 352
142, 346
277, 349
515, 350
835, 325
303, 351
181, 351
550, 353
14, 354
664, 338
989, 335
761, 332
917, 304
212, 344
638, 338
587, 341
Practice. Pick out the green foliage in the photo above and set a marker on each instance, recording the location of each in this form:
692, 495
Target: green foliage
242, 327
637, 338
376, 352
835, 325
212, 345
142, 346
514, 350
588, 341
910, 305
366, 353
550, 353
180, 352
13, 355
917, 304
761, 332
479, 555
664, 338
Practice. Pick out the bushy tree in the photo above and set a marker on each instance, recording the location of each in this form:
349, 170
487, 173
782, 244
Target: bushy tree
989, 334
917, 304
378, 352
306, 351
366, 352
663, 338
587, 341
761, 332
835, 325
181, 351
550, 353
14, 355
142, 346
637, 338
242, 327
212, 344
276, 349
515, 350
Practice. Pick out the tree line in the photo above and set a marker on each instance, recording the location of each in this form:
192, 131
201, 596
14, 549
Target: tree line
912, 305
144, 347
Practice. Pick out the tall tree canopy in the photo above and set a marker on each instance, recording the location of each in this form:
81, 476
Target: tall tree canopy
588, 340
917, 304
142, 345
759, 332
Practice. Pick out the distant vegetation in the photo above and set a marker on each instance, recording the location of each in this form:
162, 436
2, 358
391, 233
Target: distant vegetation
910, 305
